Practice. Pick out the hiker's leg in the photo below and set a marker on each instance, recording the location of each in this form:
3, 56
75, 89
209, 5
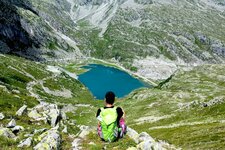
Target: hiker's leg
99, 129
123, 127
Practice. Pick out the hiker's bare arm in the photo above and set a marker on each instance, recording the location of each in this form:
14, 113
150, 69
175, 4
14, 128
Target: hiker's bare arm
124, 115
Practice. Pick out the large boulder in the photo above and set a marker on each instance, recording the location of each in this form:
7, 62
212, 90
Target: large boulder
133, 134
22, 110
49, 140
46, 112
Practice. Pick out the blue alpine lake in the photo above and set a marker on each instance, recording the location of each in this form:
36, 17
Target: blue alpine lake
99, 79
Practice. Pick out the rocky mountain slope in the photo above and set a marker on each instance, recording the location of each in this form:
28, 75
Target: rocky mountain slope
49, 107
183, 31
42, 104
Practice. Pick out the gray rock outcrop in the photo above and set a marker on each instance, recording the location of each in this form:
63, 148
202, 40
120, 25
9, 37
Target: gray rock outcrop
49, 140
146, 142
46, 112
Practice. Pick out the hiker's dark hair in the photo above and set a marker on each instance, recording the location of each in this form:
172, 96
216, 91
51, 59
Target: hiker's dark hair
110, 97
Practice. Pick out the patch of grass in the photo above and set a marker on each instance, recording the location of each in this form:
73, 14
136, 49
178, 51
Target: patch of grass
200, 84
93, 143
203, 136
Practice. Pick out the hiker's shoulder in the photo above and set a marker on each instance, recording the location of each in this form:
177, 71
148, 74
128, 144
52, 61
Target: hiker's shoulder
119, 108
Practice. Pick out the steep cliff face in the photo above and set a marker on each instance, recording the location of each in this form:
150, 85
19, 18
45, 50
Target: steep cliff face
31, 32
13, 36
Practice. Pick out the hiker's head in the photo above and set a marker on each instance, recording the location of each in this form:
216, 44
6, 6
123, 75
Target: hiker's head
110, 97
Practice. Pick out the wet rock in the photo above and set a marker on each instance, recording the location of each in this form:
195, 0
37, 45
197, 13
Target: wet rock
25, 143
2, 116
6, 133
11, 124
48, 140
22, 110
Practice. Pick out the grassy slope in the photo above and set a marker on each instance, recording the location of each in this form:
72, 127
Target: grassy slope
16, 73
193, 127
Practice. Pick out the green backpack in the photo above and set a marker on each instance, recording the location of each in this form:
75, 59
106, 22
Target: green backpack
109, 124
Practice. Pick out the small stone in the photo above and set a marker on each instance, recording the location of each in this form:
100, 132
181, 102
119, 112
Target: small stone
15, 92
91, 143
63, 114
65, 129
2, 116
76, 143
25, 143
22, 110
11, 124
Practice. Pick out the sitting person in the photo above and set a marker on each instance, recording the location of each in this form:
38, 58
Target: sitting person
111, 123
